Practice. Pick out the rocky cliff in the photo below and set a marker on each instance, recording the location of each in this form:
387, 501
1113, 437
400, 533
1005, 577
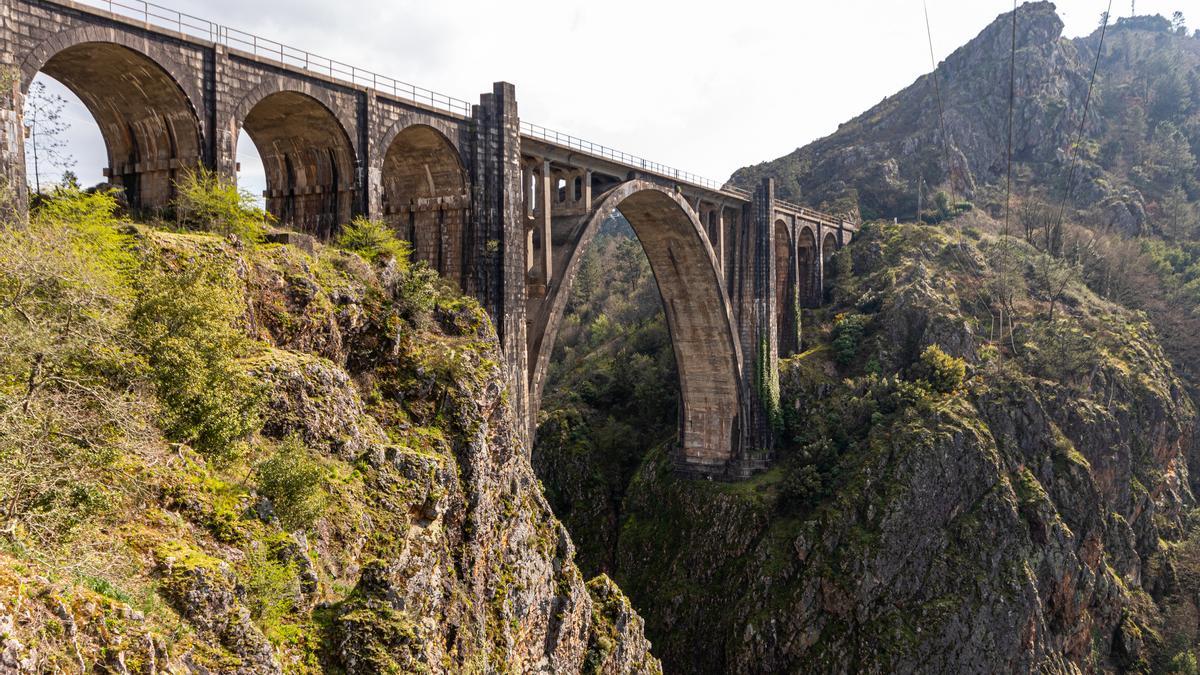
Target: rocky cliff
279, 458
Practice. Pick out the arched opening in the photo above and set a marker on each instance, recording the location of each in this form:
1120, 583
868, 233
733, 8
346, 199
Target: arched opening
707, 353
251, 173
829, 246
611, 397
308, 161
786, 319
806, 254
149, 127
425, 197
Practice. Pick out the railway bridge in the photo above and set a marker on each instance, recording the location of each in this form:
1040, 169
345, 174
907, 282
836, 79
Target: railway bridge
503, 207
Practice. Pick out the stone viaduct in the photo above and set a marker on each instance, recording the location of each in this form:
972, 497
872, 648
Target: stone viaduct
502, 207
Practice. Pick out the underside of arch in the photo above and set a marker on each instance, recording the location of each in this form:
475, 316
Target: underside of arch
150, 129
806, 254
829, 246
308, 160
698, 314
787, 318
425, 197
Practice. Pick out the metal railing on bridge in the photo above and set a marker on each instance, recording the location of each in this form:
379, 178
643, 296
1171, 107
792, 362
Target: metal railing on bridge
604, 152
193, 26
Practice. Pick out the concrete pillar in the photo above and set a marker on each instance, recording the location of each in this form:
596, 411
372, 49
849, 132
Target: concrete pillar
719, 242
372, 172
365, 203
14, 190
225, 128
495, 271
548, 195
759, 347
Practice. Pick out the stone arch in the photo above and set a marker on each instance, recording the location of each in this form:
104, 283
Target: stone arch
308, 157
808, 272
698, 311
425, 196
829, 246
787, 319
146, 112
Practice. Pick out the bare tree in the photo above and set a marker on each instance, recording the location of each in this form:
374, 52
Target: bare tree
45, 128
1039, 221
1053, 275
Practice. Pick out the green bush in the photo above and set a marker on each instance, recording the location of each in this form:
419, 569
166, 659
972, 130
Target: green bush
943, 373
847, 336
272, 589
292, 481
185, 321
1184, 663
374, 241
208, 202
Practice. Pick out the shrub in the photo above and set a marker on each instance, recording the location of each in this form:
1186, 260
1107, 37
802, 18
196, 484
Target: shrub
292, 481
185, 323
848, 331
417, 291
374, 241
272, 589
1184, 663
943, 373
208, 202
68, 205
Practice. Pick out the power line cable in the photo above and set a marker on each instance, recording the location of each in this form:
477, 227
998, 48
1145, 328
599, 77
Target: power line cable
937, 88
1004, 241
1074, 150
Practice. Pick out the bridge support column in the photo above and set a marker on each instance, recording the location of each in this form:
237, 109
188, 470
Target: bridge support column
14, 191
760, 349
495, 246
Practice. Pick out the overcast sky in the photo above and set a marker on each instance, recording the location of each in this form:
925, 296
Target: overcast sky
704, 86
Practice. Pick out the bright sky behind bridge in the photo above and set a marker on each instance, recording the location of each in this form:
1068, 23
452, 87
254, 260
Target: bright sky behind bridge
703, 86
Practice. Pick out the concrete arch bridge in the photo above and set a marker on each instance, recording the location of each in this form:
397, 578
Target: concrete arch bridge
503, 207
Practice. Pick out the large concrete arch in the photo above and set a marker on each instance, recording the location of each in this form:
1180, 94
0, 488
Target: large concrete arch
308, 157
425, 196
147, 118
698, 311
